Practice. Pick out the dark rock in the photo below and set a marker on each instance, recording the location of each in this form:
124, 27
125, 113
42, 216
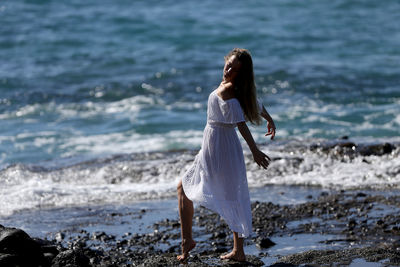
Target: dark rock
78, 244
366, 161
16, 242
251, 261
387, 148
352, 223
49, 257
379, 149
11, 260
175, 225
43, 242
282, 264
219, 235
265, 242
348, 145
379, 222
122, 242
161, 260
361, 194
71, 258
220, 249
173, 249
339, 215
102, 236
50, 249
324, 194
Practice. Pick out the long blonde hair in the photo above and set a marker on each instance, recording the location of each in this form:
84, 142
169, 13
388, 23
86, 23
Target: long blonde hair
245, 88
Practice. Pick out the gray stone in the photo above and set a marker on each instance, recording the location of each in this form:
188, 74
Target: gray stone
71, 258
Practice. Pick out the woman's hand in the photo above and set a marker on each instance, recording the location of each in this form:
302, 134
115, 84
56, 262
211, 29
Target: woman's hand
271, 129
261, 159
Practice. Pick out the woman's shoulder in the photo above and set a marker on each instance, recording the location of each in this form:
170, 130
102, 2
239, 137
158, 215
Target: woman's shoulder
225, 93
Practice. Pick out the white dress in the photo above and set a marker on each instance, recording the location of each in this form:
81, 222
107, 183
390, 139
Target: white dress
217, 178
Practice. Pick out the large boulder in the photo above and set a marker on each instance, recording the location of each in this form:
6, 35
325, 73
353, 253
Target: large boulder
17, 248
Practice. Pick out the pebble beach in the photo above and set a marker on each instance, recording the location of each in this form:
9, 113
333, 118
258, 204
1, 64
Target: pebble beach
103, 106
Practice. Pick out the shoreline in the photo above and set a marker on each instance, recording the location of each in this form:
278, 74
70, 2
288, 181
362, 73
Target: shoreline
337, 227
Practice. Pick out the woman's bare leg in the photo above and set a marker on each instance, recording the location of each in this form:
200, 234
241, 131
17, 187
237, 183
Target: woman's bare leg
237, 253
186, 215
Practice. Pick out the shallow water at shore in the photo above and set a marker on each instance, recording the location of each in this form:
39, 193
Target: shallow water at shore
39, 222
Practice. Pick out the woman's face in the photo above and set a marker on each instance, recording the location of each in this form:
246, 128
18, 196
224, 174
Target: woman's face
231, 68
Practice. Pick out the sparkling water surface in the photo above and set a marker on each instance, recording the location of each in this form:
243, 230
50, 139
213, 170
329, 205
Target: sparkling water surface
98, 77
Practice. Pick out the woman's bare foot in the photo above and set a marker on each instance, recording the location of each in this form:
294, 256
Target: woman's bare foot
234, 255
187, 245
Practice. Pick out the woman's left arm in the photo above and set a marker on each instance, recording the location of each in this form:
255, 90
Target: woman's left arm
271, 125
259, 157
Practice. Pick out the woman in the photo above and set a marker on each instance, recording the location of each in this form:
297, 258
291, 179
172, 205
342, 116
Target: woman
217, 178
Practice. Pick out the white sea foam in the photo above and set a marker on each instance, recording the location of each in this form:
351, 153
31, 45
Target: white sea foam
329, 170
129, 177
112, 181
127, 107
115, 143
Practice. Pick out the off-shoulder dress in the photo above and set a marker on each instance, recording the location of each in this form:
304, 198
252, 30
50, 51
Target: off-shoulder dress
217, 178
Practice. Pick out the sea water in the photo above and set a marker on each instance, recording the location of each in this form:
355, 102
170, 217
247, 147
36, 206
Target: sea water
105, 101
